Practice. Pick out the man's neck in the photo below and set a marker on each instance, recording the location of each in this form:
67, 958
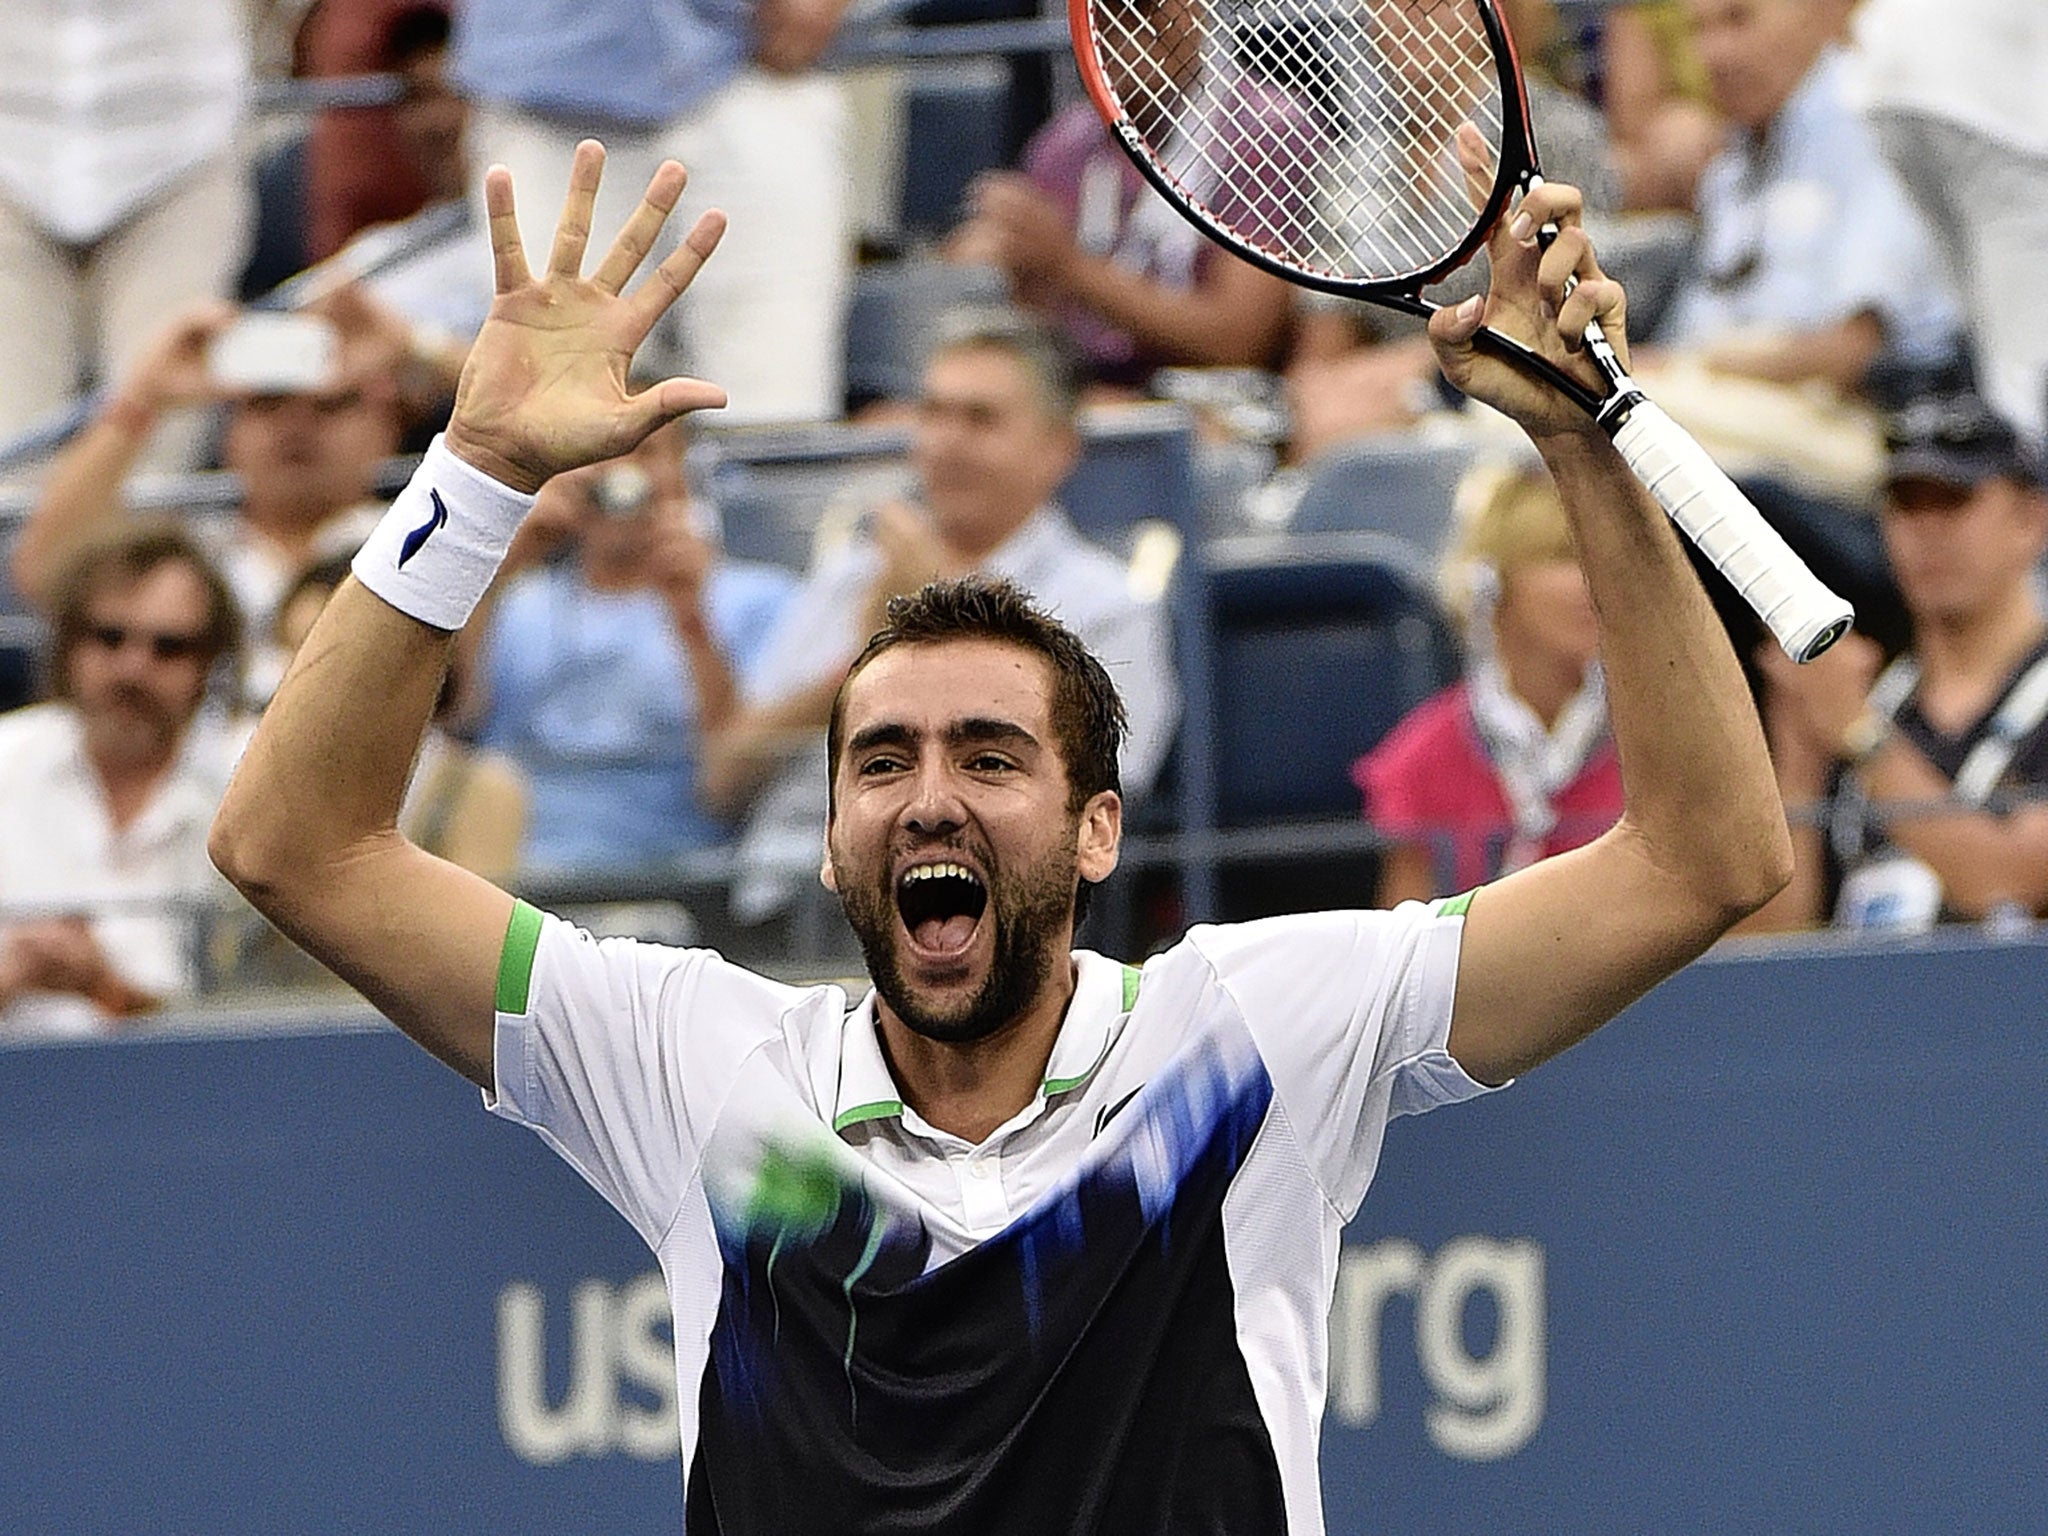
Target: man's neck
967, 1090
1964, 662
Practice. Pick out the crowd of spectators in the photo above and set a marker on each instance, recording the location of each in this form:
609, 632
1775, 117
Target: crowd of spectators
1826, 212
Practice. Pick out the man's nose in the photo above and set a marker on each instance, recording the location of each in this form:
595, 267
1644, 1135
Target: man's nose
934, 806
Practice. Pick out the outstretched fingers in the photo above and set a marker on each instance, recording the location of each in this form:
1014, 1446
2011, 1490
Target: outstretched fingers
508, 253
642, 229
579, 207
677, 271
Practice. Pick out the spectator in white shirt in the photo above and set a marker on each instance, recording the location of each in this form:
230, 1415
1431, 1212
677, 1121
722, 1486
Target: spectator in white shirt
124, 196
1811, 262
106, 791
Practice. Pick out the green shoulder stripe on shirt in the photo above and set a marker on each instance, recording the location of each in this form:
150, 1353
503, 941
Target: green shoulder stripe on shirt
880, 1109
1456, 906
515, 960
1132, 976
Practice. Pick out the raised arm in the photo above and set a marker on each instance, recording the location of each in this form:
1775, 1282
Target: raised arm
1554, 951
308, 828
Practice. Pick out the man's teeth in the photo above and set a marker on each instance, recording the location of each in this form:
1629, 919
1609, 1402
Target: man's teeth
940, 872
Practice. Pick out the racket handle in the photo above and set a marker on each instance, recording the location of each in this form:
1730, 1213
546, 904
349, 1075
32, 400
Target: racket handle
1722, 523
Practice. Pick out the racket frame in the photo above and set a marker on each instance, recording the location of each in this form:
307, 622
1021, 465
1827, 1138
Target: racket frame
1714, 513
1516, 172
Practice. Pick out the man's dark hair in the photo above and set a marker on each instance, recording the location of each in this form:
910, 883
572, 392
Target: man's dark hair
1087, 714
122, 558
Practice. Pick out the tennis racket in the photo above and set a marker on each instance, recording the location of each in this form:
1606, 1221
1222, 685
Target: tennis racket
1318, 139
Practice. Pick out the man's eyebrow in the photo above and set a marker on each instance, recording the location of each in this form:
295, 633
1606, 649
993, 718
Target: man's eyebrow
887, 734
980, 729
976, 730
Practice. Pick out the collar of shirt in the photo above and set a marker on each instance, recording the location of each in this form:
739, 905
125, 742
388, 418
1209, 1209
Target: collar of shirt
1104, 991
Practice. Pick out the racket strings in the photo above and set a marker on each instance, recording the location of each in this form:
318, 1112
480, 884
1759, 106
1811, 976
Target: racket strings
1322, 132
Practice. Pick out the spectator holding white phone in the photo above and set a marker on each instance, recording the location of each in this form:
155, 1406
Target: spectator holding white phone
311, 413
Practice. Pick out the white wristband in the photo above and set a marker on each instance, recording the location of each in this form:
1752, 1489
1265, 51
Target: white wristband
435, 552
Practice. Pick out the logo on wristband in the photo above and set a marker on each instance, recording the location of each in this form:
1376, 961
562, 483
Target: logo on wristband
417, 539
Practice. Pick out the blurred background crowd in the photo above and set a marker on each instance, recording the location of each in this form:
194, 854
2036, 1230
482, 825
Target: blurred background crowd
241, 263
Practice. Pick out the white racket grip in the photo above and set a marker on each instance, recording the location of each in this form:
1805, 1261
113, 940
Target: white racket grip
1722, 523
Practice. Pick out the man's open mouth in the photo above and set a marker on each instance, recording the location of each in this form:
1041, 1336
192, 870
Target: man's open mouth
941, 904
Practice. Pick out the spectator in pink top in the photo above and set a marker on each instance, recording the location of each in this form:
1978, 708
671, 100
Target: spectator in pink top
1513, 763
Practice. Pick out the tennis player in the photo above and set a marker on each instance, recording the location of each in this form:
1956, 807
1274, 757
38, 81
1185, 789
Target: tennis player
1023, 1240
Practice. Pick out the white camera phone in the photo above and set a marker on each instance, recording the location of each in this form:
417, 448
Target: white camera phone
275, 352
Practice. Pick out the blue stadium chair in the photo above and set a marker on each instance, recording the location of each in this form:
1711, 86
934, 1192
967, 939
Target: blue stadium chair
22, 639
1137, 464
774, 489
955, 121
1400, 485
278, 246
1299, 652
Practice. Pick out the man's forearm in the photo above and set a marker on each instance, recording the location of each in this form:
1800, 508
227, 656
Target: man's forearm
1697, 776
1982, 859
325, 775
754, 743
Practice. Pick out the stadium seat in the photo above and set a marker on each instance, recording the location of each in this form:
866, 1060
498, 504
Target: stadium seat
890, 317
955, 121
1299, 652
1400, 485
776, 490
278, 249
22, 641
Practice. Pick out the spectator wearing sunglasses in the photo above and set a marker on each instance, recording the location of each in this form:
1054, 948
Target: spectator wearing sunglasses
107, 789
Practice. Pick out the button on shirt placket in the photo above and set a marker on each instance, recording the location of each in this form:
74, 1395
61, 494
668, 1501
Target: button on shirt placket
984, 1204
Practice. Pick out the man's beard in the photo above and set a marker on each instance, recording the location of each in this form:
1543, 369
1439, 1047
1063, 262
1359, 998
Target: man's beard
1029, 911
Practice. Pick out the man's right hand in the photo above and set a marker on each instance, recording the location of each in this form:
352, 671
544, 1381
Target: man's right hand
545, 388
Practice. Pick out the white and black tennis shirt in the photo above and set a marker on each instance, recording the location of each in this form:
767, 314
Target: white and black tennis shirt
1109, 1317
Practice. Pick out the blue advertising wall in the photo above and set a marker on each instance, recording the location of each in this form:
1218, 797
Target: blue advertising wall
1768, 1254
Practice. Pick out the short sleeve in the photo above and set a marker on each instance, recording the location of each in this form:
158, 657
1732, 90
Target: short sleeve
620, 1055
1351, 1012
